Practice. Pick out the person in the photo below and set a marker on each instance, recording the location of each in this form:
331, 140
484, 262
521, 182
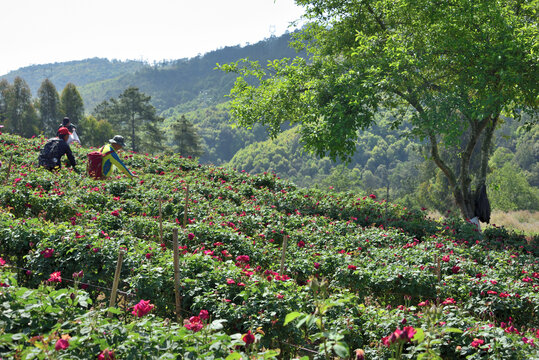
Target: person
51, 154
73, 137
110, 157
67, 124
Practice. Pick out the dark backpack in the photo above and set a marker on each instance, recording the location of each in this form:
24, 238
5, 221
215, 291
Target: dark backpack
48, 155
482, 205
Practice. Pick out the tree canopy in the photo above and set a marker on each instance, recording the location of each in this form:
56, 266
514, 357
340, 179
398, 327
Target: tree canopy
450, 68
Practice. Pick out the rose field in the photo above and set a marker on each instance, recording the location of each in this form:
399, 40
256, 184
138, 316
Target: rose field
267, 270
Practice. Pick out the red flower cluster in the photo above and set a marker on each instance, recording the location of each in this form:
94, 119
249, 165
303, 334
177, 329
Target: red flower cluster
194, 323
404, 335
142, 308
55, 277
106, 355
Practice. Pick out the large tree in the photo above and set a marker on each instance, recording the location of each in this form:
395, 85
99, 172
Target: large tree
185, 137
71, 104
49, 107
451, 68
133, 114
20, 114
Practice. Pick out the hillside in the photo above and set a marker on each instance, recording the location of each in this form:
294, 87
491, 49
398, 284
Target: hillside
357, 272
80, 72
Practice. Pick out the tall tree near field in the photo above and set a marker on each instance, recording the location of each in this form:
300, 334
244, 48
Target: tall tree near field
154, 140
49, 107
130, 113
185, 137
451, 67
95, 132
21, 116
71, 104
4, 87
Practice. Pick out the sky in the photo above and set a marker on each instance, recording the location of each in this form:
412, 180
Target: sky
47, 31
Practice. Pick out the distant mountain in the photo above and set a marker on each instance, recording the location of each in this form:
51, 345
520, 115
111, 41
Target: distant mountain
80, 72
188, 84
184, 84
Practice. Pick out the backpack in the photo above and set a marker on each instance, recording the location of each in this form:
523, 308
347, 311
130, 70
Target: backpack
95, 164
482, 205
48, 155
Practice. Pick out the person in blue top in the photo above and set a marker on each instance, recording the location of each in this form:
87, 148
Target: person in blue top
110, 157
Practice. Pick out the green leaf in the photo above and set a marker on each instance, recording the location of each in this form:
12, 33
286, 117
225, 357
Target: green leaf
291, 317
233, 356
341, 350
452, 330
419, 335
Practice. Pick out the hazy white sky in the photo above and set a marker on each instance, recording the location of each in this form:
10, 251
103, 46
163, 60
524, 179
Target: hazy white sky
48, 31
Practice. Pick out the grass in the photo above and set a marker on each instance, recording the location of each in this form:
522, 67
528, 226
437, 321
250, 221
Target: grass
522, 221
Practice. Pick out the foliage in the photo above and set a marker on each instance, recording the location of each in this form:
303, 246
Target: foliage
388, 55
71, 104
379, 267
185, 137
49, 108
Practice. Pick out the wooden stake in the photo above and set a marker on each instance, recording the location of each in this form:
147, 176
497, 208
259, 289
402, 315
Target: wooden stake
160, 221
116, 281
177, 274
186, 205
8, 169
285, 242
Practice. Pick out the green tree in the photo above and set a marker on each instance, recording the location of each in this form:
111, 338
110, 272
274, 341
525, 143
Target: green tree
49, 107
511, 191
133, 114
71, 104
21, 116
186, 140
450, 67
95, 132
4, 88
154, 139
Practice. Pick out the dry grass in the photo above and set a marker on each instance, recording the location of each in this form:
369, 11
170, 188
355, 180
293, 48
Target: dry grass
522, 221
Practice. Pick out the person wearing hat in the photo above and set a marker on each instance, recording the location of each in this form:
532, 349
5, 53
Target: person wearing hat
54, 149
110, 157
67, 124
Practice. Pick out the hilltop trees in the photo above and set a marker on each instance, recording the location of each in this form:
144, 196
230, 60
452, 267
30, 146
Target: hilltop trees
450, 68
49, 107
131, 113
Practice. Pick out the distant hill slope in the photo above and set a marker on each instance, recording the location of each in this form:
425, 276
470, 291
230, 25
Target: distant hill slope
184, 84
187, 84
80, 72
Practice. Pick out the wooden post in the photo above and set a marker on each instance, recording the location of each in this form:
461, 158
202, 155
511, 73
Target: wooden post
160, 221
177, 274
285, 242
186, 205
116, 281
8, 169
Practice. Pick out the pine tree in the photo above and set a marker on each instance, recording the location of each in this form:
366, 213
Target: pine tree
49, 107
71, 104
186, 140
133, 114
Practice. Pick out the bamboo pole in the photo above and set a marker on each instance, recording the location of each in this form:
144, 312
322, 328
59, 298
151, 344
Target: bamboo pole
285, 242
8, 169
160, 220
177, 274
116, 281
186, 205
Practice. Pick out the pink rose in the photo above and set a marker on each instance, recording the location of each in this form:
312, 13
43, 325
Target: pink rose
142, 308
